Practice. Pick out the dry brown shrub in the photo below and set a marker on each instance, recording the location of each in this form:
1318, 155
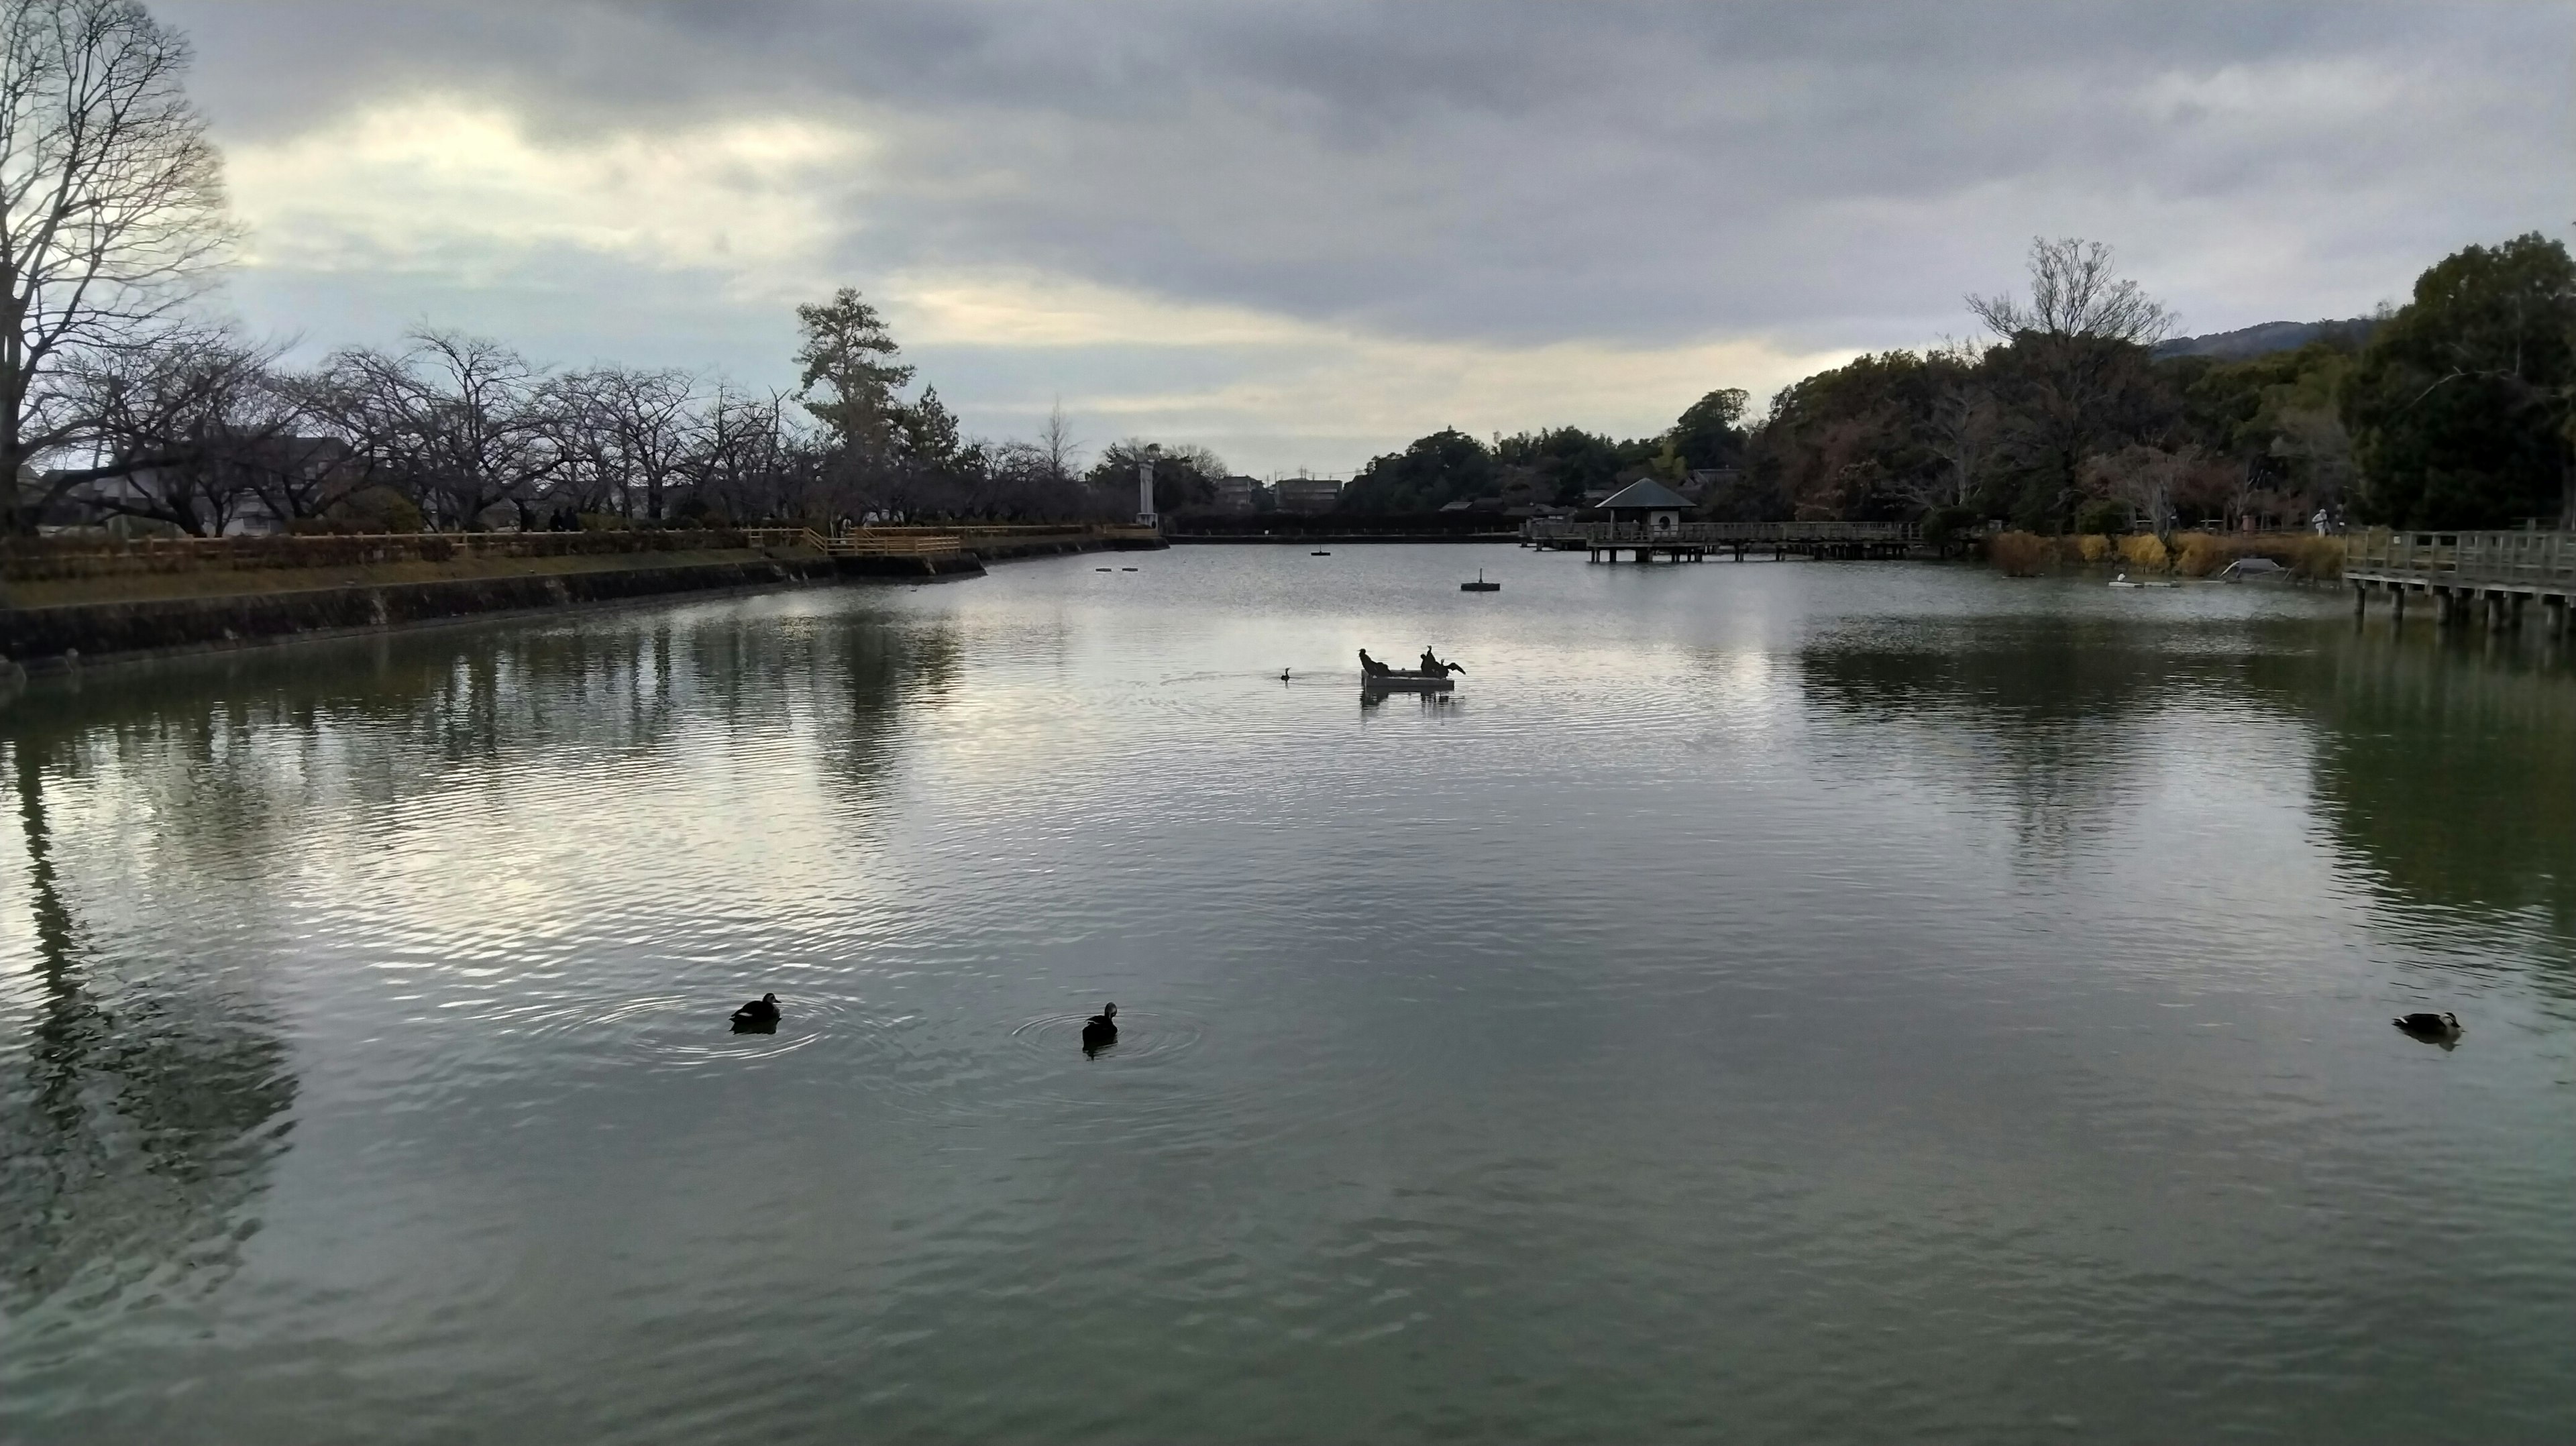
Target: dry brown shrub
2318, 559
2094, 546
2202, 554
2018, 554
2145, 552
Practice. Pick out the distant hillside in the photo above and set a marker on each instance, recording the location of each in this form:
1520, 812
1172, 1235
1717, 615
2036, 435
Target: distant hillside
2271, 336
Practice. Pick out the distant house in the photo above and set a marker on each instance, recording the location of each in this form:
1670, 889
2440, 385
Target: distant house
1649, 505
1307, 494
242, 487
1239, 494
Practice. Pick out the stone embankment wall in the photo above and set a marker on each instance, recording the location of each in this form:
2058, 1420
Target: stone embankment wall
41, 639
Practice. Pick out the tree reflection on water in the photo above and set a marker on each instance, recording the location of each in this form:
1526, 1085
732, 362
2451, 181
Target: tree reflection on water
145, 1088
2444, 767
2448, 771
2047, 717
145, 1111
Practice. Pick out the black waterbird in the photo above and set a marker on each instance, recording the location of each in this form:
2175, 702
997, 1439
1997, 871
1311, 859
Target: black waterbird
763, 1010
2439, 1028
1100, 1030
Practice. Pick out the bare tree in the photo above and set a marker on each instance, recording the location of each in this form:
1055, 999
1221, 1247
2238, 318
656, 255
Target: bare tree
2146, 478
745, 461
1960, 429
2073, 376
190, 433
1057, 448
633, 428
111, 207
460, 422
2075, 292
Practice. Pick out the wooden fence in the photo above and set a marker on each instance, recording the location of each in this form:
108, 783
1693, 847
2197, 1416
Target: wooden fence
1717, 534
2538, 562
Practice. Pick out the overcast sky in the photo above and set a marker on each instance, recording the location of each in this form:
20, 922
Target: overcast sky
1303, 234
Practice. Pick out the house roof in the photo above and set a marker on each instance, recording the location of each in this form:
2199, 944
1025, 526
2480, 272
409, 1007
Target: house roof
1646, 492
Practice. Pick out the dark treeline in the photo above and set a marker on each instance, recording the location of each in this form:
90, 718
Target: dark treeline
201, 431
2450, 411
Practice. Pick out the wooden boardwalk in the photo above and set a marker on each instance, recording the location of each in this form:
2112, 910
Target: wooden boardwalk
1697, 541
2465, 574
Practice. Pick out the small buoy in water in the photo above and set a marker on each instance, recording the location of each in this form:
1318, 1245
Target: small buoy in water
1103, 569
1283, 675
1126, 569
1319, 554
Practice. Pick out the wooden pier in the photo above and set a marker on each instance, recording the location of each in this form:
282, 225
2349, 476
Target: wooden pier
2465, 574
1697, 541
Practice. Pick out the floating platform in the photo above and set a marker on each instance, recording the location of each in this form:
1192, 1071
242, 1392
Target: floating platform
1406, 682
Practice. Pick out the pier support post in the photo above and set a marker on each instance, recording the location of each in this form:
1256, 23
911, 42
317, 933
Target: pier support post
2397, 603
2514, 605
2553, 611
2360, 601
2495, 612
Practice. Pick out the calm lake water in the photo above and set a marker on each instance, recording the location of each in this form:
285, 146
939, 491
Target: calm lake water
1778, 1002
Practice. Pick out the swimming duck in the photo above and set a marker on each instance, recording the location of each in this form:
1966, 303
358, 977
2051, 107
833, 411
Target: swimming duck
763, 1010
1100, 1029
2429, 1026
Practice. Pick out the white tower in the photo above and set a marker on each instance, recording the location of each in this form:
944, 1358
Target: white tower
1145, 491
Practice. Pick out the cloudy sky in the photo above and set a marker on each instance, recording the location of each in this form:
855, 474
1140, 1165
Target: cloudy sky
1305, 233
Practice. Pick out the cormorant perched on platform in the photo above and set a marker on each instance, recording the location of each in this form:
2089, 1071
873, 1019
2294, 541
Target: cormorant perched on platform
2436, 1027
763, 1010
1100, 1030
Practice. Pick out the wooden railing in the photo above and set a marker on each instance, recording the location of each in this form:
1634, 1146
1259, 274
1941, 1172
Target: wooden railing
859, 542
1727, 533
2539, 560
896, 544
936, 542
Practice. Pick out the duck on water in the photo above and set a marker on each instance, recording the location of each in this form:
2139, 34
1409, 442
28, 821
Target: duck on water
1101, 1030
2443, 1028
759, 1016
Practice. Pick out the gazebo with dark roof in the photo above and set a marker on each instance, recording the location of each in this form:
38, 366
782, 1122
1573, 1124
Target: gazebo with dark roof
1648, 505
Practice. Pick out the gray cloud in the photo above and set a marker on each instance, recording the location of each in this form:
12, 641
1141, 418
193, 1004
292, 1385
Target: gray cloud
1823, 175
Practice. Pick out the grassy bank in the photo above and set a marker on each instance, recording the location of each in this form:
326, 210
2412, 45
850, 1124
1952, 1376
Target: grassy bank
225, 581
2186, 554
